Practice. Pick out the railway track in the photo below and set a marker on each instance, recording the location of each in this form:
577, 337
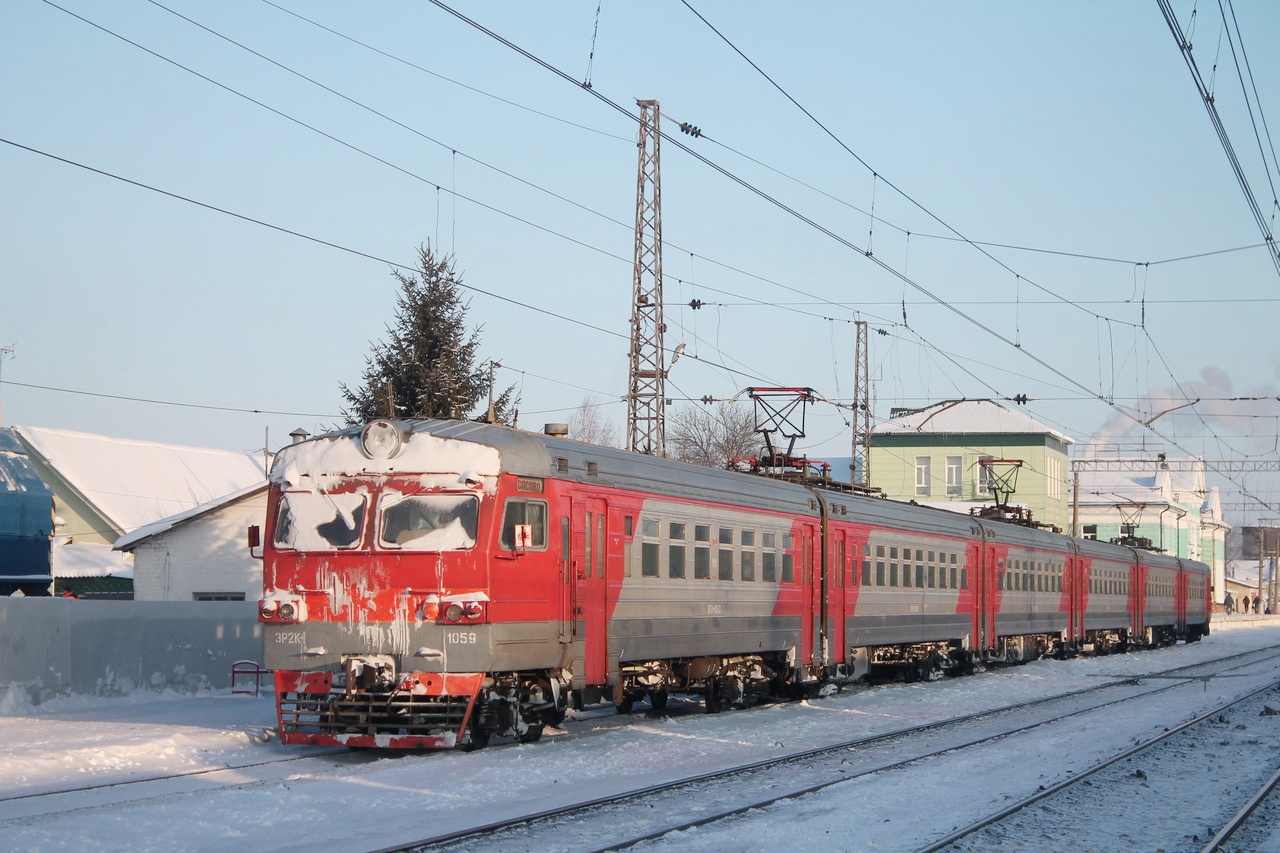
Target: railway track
42, 803
707, 799
1243, 832
1175, 809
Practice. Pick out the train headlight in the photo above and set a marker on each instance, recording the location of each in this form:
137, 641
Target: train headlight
380, 440
267, 609
473, 609
453, 612
288, 612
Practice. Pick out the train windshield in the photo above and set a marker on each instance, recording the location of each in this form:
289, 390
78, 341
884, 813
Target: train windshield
314, 521
429, 522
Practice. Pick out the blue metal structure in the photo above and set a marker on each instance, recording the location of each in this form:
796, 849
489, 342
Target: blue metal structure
26, 522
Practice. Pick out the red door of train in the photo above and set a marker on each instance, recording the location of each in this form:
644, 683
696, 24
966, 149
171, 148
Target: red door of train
1075, 589
811, 584
591, 611
838, 593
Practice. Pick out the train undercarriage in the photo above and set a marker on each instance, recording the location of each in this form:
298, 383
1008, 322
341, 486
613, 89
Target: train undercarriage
369, 704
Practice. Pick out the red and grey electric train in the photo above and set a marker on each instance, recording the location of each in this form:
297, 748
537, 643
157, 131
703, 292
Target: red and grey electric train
429, 584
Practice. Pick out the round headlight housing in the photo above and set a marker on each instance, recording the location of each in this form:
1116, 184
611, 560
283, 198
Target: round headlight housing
453, 612
288, 611
380, 439
267, 609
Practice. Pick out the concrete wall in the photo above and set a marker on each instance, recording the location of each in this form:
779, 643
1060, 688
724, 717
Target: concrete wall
53, 646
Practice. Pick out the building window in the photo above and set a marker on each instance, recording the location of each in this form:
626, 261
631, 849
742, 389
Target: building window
984, 476
955, 483
922, 476
217, 596
1090, 531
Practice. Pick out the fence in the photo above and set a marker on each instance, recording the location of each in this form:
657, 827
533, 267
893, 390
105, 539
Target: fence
52, 646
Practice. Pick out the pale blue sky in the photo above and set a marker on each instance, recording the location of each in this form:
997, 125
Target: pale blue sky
1071, 127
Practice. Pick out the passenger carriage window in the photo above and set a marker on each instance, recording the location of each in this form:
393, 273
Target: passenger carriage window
880, 551
788, 559
893, 574
649, 559
931, 577
626, 546
893, 552
964, 577
724, 564
600, 545
675, 560
702, 564
919, 575
314, 521
587, 543
866, 572
748, 565
952, 585
522, 511
748, 538
702, 552
676, 529
650, 548
919, 555
768, 567
434, 522
879, 572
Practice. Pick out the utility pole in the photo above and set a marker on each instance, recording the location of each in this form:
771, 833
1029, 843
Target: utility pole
646, 397
861, 408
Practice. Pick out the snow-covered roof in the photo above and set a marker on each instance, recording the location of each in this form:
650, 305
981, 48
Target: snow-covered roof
1144, 480
89, 560
126, 542
967, 417
134, 483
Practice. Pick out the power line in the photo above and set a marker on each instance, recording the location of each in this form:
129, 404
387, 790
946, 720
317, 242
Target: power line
1184, 47
308, 237
166, 402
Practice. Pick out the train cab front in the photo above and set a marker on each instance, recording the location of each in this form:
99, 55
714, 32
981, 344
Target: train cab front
376, 613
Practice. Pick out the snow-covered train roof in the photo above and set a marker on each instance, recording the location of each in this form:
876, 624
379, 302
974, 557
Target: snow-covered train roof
444, 446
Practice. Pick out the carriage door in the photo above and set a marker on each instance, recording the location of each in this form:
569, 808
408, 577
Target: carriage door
1138, 596
837, 590
590, 610
811, 578
1073, 590
1180, 579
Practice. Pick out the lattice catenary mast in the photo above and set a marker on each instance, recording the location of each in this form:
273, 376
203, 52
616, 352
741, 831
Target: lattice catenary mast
861, 409
646, 397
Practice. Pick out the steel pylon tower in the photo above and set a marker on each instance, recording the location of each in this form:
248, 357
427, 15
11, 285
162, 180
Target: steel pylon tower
861, 408
646, 397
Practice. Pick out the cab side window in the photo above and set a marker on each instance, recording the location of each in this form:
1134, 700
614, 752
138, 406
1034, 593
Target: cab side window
522, 511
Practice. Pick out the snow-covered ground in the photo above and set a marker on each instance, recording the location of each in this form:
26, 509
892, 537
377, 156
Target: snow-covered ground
340, 801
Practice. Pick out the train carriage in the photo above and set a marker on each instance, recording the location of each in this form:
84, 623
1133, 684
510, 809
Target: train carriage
431, 583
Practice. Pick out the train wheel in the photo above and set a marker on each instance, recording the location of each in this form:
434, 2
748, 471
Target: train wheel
479, 737
711, 698
533, 734
658, 700
624, 706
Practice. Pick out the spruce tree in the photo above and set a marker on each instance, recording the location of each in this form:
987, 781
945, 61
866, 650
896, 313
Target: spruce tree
427, 367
